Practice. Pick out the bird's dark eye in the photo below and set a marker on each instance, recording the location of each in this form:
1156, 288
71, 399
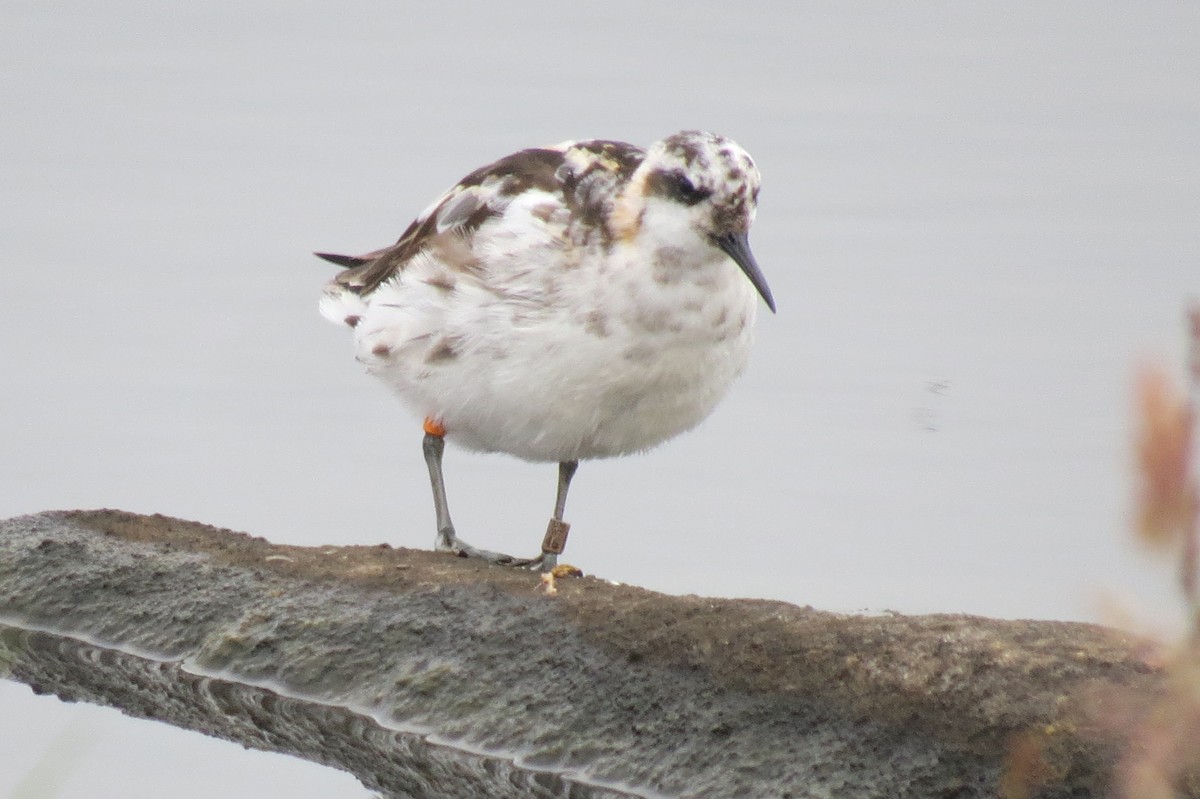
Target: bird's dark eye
685, 191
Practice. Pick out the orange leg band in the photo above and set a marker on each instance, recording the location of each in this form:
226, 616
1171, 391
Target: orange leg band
433, 427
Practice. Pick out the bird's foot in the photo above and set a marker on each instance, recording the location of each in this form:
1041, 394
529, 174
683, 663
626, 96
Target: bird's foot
456, 546
552, 546
554, 542
547, 561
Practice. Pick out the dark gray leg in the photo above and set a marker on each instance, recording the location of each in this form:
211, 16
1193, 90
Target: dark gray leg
566, 470
433, 447
447, 540
556, 532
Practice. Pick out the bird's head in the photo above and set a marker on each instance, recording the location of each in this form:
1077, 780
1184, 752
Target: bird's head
704, 184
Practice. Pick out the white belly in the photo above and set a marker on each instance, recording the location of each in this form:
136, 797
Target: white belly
618, 366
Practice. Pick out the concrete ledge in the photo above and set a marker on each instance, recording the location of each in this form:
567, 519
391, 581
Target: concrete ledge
425, 675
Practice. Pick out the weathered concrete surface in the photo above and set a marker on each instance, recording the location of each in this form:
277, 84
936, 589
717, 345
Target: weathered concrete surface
426, 675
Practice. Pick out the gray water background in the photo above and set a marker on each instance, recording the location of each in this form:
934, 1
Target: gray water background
977, 219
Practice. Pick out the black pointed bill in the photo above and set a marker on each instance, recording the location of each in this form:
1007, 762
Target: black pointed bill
737, 247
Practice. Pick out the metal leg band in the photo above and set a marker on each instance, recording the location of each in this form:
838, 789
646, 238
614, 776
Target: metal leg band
556, 537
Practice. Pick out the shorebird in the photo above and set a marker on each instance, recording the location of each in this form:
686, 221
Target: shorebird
585, 300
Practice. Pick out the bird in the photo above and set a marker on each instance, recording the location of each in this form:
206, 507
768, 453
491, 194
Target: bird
589, 299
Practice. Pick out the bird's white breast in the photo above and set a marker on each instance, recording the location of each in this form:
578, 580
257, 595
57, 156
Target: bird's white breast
551, 351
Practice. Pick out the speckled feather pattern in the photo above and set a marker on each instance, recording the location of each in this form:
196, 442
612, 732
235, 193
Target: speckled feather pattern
566, 302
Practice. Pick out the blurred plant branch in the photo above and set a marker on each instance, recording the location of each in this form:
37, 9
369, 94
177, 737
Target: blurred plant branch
1161, 732
1154, 734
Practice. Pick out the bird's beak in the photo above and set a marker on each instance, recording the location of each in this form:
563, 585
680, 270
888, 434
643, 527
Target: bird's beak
737, 247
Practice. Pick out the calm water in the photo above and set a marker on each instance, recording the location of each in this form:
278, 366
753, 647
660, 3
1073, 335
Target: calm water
975, 221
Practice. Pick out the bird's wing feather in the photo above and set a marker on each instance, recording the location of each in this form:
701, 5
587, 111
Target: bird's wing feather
583, 176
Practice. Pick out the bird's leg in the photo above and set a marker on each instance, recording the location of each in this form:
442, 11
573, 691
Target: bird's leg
434, 445
555, 540
447, 541
566, 470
